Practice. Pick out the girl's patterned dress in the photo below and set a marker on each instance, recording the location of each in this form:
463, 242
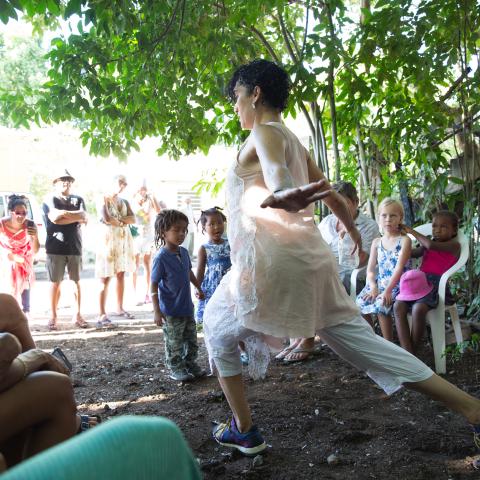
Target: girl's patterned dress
386, 264
217, 265
115, 246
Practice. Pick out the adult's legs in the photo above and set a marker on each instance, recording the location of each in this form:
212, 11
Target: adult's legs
419, 322
403, 328
234, 391
147, 263
392, 367
13, 320
120, 291
135, 272
386, 326
54, 299
457, 400
43, 402
103, 294
77, 316
25, 296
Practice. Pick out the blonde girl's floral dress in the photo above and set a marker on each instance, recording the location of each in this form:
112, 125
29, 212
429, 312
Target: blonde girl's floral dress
387, 262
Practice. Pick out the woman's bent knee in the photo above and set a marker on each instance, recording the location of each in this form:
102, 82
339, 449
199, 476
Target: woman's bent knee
10, 347
53, 387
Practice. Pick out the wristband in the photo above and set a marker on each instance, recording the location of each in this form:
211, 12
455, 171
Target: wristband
25, 368
153, 293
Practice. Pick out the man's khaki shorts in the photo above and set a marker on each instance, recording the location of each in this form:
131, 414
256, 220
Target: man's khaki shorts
56, 267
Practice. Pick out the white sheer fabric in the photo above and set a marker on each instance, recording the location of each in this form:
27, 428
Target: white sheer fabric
284, 280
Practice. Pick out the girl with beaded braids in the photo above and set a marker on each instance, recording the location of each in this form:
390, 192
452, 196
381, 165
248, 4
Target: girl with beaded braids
213, 256
171, 298
284, 280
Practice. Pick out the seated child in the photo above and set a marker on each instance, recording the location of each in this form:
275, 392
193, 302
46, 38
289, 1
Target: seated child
390, 254
171, 296
419, 288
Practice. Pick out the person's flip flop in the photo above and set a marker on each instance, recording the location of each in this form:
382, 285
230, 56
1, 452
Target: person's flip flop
285, 352
52, 326
298, 354
104, 322
81, 323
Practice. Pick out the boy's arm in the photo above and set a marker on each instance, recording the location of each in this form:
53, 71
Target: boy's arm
158, 315
198, 287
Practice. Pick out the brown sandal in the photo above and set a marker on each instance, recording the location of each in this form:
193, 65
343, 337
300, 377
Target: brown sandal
52, 326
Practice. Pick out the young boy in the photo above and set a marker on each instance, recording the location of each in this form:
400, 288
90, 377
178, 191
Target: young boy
171, 296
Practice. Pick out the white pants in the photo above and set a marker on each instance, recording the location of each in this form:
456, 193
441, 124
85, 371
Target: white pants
387, 364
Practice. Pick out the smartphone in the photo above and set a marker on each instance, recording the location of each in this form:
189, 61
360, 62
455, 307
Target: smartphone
30, 223
58, 353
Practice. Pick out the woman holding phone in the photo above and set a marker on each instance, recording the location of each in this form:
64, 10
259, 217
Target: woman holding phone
18, 246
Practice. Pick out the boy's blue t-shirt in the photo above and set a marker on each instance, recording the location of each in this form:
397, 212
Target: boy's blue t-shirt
172, 273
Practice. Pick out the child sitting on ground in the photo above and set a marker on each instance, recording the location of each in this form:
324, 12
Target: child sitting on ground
391, 254
419, 288
213, 256
171, 296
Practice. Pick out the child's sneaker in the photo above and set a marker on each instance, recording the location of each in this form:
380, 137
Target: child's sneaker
250, 443
181, 376
196, 371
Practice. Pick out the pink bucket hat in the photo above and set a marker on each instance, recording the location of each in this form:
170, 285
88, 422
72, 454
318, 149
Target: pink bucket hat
413, 286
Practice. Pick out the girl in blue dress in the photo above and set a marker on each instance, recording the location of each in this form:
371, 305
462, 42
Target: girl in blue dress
389, 258
213, 256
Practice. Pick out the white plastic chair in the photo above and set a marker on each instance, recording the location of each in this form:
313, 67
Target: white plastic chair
436, 317
353, 281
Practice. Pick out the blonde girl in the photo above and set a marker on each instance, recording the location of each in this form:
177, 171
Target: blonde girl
389, 258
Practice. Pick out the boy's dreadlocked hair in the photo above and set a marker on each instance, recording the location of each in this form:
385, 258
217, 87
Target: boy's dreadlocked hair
164, 221
209, 213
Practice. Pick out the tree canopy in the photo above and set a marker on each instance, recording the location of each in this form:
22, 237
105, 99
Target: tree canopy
389, 89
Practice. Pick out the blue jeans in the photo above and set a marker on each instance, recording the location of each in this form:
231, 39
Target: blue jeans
26, 300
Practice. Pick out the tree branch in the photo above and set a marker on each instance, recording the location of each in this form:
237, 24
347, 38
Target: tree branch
265, 43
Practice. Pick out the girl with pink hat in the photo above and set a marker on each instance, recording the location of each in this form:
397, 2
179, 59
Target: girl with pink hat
419, 288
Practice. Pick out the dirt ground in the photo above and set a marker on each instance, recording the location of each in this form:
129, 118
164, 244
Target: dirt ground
306, 412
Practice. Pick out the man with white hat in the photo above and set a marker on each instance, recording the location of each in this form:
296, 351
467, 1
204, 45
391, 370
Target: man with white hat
64, 214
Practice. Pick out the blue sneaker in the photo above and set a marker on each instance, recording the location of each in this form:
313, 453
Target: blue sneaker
250, 443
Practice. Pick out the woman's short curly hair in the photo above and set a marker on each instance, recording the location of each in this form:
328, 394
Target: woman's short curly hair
271, 78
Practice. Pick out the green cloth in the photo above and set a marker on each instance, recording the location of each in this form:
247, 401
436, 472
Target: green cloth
124, 448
